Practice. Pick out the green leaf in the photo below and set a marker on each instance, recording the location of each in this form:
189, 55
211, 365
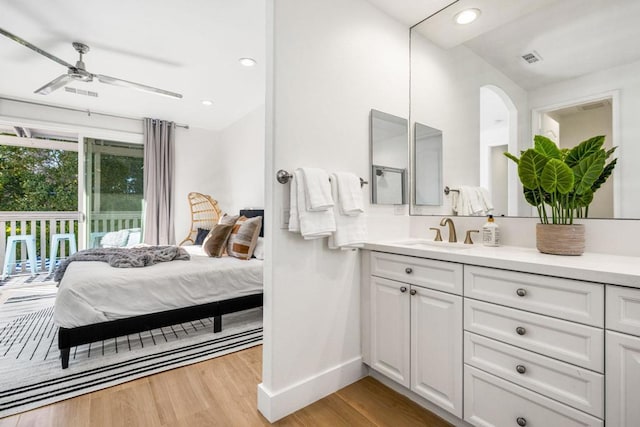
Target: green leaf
557, 177
532, 197
584, 199
584, 150
588, 170
530, 168
606, 172
512, 157
610, 151
544, 145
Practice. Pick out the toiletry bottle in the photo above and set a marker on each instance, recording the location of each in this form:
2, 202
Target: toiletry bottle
491, 233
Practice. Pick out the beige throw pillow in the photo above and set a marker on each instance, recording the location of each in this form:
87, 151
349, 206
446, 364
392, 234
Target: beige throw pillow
244, 236
227, 219
216, 241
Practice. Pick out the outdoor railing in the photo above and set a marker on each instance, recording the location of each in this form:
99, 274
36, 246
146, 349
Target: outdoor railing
45, 224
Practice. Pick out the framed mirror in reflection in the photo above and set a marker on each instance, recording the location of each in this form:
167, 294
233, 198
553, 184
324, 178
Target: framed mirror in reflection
566, 69
389, 143
427, 162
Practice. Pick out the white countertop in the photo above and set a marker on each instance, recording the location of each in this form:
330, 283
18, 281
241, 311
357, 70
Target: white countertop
593, 267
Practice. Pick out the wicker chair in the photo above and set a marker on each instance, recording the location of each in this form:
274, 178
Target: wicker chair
204, 214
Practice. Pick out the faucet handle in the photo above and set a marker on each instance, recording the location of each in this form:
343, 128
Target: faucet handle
467, 239
438, 235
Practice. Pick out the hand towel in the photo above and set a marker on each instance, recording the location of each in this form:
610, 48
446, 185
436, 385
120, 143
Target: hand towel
313, 225
349, 194
476, 207
486, 200
317, 189
351, 230
294, 220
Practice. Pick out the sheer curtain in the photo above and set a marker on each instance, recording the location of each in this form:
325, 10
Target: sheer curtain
159, 136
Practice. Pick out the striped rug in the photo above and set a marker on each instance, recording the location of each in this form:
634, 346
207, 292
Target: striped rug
30, 371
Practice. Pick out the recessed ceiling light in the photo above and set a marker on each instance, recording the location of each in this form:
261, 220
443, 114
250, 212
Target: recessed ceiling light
207, 102
467, 16
247, 62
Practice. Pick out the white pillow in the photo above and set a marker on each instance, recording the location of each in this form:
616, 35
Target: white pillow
258, 251
115, 239
135, 237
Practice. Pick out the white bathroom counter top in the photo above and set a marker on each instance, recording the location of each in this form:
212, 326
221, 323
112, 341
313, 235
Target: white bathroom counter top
593, 267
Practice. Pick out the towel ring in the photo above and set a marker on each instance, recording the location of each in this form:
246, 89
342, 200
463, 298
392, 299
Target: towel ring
282, 176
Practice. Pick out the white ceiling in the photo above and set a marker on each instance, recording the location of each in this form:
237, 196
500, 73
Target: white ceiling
410, 12
187, 47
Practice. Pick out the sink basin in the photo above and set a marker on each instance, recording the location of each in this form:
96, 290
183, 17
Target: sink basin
430, 244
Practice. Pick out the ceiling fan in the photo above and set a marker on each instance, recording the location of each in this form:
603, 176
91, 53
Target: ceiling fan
79, 72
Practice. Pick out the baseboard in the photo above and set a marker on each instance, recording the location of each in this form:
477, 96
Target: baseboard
276, 405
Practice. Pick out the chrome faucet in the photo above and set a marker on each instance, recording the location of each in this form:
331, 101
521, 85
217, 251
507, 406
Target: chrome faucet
452, 229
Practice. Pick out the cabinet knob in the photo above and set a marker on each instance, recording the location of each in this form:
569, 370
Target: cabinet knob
521, 421
403, 289
521, 292
408, 270
521, 369
520, 330
413, 292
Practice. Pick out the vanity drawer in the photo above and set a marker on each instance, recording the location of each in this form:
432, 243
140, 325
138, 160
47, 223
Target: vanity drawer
567, 341
576, 387
564, 298
623, 309
438, 275
491, 401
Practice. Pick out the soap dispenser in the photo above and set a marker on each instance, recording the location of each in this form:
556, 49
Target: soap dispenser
491, 233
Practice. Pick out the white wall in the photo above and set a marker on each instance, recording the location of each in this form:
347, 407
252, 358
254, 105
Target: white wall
333, 61
228, 165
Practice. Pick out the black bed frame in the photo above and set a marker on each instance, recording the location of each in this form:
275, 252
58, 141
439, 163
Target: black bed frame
70, 337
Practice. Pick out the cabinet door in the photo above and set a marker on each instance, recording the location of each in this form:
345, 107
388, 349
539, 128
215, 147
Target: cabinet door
622, 380
390, 329
436, 348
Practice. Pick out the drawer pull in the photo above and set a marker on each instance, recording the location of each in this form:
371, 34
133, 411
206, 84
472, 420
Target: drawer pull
521, 421
521, 292
520, 330
403, 289
408, 270
413, 292
521, 369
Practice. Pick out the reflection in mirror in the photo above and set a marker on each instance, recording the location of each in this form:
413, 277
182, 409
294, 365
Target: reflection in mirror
428, 165
567, 68
389, 158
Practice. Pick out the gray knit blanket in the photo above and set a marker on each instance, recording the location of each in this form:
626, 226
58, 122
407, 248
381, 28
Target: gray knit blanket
125, 257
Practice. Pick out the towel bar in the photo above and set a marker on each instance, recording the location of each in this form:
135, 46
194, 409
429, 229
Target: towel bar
447, 190
283, 177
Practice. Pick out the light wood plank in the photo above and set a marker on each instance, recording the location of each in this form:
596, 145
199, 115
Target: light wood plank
222, 392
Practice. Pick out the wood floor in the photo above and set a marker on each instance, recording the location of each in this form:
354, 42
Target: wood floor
222, 392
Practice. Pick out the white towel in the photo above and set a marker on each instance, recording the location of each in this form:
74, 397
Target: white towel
294, 221
485, 199
312, 225
351, 230
471, 201
317, 189
349, 194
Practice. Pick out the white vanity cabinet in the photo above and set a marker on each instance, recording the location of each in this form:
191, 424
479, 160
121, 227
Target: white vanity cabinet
623, 356
413, 329
561, 348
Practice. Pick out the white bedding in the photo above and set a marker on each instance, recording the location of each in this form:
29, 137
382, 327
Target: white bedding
92, 292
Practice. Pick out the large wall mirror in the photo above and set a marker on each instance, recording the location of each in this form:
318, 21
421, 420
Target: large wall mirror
566, 69
389, 158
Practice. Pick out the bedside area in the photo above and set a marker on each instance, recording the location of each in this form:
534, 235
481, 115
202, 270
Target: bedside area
504, 336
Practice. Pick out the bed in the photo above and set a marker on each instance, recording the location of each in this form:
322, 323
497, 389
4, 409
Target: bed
96, 301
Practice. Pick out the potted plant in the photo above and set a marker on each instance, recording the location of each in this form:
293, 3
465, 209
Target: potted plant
560, 184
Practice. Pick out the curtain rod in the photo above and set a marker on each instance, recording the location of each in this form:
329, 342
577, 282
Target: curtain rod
79, 110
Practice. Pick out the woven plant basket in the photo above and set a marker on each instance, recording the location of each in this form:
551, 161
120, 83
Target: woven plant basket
560, 239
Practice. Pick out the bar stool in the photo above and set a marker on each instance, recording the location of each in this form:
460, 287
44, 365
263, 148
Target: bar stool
53, 251
10, 254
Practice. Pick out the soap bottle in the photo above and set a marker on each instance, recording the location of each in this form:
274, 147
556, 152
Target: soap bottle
491, 233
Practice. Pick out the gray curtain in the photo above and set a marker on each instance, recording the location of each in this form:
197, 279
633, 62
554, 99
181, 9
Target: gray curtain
159, 136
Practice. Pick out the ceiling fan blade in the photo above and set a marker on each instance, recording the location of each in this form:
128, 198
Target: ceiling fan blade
34, 48
54, 84
138, 86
